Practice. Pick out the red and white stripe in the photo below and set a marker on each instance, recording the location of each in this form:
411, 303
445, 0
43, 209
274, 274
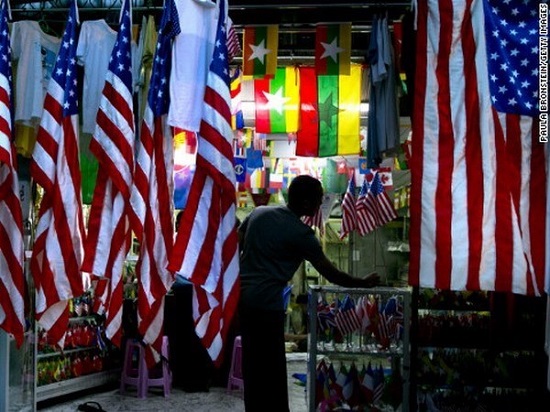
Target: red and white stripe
109, 234
365, 212
206, 249
58, 247
153, 226
233, 43
315, 220
12, 280
349, 216
478, 203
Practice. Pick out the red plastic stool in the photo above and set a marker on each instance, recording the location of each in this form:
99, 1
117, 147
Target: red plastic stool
160, 375
235, 379
134, 368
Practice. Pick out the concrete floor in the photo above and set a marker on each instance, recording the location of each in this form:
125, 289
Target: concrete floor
215, 400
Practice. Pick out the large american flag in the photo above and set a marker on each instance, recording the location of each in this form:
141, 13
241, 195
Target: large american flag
478, 202
151, 199
12, 280
58, 247
349, 217
108, 239
206, 245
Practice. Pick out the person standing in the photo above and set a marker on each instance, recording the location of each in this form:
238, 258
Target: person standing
274, 242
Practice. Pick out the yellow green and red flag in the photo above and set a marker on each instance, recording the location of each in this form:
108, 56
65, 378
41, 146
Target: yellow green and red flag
329, 113
277, 101
261, 45
333, 49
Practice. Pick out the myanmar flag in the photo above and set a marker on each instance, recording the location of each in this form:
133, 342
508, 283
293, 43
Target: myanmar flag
329, 113
260, 50
333, 49
277, 102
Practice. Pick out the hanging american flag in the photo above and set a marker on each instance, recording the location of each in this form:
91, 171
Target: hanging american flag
478, 187
12, 280
349, 217
109, 233
365, 211
233, 43
58, 247
206, 245
151, 199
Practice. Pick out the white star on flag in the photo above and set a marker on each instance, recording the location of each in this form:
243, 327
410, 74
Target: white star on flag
276, 101
331, 49
259, 51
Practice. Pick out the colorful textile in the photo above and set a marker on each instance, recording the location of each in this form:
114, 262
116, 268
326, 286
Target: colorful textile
277, 102
333, 49
261, 45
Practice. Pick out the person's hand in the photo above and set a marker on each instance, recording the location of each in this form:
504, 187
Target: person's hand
372, 279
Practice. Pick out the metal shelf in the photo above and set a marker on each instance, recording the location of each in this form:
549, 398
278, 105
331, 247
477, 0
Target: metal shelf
65, 387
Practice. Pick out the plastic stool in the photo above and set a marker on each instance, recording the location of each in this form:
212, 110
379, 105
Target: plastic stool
235, 378
134, 368
160, 375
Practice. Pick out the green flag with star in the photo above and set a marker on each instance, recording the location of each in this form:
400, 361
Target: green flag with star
329, 113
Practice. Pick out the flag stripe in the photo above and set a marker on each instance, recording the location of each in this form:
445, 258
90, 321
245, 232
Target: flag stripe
307, 143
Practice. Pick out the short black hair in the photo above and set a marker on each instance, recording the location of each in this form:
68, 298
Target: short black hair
304, 187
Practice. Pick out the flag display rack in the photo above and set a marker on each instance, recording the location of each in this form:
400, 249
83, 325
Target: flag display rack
358, 348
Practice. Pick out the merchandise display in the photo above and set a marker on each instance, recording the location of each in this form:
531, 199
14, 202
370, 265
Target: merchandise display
469, 352
87, 360
358, 354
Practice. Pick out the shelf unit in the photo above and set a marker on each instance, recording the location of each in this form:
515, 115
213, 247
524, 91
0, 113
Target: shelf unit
477, 349
362, 346
86, 362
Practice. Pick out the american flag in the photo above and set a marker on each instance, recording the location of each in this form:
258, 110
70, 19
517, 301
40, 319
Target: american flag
12, 280
380, 201
109, 233
58, 247
379, 384
152, 193
478, 192
233, 43
346, 318
364, 209
349, 218
512, 36
206, 245
315, 220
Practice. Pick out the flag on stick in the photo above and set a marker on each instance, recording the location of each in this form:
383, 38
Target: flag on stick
349, 218
109, 235
206, 250
12, 279
365, 211
151, 199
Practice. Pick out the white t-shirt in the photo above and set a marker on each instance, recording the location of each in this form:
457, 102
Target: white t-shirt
191, 56
95, 45
35, 53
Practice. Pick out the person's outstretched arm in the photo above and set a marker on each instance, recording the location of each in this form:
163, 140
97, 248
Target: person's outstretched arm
336, 276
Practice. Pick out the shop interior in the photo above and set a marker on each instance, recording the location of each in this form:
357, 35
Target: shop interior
453, 349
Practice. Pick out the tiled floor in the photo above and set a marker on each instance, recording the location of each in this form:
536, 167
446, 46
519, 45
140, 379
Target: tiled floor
215, 400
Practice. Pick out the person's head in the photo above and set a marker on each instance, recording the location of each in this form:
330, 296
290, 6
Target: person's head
305, 195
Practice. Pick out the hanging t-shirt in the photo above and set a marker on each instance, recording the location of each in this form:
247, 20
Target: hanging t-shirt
34, 53
191, 56
95, 45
